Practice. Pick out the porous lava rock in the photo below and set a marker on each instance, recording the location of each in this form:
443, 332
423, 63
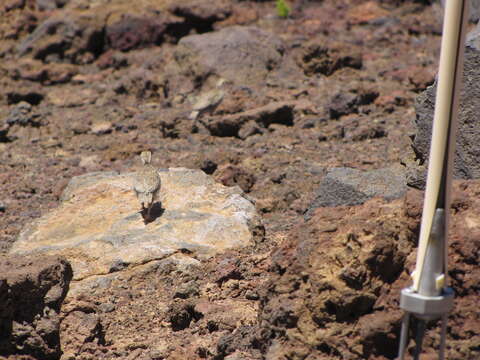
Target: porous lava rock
32, 289
466, 165
336, 280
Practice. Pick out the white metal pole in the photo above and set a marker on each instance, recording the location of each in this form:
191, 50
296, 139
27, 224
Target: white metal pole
429, 298
444, 124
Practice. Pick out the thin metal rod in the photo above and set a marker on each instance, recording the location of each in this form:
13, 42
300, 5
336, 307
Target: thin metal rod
404, 336
419, 338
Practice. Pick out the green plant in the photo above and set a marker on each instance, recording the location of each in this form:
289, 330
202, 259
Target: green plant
282, 8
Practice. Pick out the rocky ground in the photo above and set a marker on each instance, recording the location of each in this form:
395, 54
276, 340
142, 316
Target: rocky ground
266, 103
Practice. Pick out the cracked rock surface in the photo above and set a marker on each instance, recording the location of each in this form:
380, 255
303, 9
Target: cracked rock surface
98, 226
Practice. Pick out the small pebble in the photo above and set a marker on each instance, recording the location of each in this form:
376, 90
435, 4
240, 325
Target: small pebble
107, 307
101, 128
251, 295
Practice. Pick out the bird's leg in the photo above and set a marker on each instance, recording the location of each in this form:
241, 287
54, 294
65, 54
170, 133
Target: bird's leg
148, 211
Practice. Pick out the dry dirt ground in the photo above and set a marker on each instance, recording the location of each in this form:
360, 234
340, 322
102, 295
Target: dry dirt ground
87, 85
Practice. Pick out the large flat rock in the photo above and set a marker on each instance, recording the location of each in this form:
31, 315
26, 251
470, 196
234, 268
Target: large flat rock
99, 229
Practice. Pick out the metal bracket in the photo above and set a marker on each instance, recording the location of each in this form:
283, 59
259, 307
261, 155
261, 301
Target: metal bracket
432, 300
427, 307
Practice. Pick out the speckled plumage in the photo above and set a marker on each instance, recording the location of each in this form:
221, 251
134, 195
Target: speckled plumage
146, 183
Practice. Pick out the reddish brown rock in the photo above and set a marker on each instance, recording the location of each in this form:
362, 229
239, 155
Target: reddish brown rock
131, 32
32, 290
344, 103
65, 37
340, 274
319, 56
148, 98
35, 70
80, 328
255, 121
366, 12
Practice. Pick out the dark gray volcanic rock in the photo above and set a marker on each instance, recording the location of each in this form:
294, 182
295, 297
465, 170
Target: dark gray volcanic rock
474, 10
43, 5
466, 165
346, 186
22, 115
473, 38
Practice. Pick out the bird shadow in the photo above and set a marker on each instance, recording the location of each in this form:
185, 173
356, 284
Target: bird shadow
155, 212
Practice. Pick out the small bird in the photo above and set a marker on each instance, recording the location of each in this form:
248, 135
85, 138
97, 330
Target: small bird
146, 183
